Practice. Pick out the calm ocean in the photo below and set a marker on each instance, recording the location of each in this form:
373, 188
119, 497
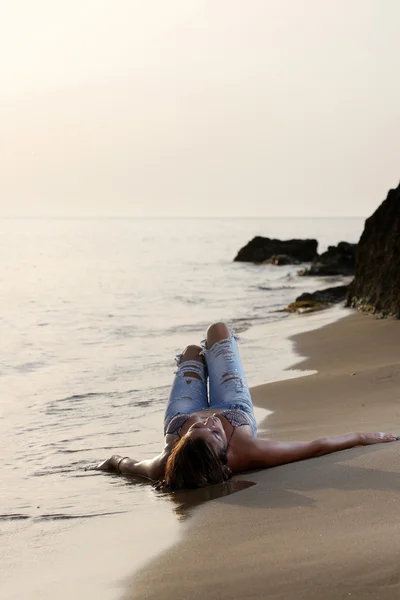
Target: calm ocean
92, 313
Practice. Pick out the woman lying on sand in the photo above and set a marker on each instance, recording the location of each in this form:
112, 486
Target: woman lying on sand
207, 439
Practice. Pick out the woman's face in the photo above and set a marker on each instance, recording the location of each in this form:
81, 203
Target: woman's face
211, 430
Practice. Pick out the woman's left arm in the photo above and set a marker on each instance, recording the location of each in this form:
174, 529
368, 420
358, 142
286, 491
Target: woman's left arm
265, 453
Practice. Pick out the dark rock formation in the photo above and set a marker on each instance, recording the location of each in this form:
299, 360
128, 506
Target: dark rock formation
260, 249
376, 286
337, 260
310, 302
343, 254
305, 306
330, 295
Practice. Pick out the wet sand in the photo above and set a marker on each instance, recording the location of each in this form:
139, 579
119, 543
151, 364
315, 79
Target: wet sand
323, 528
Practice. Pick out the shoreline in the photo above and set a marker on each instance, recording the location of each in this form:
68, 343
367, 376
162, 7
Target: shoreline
329, 524
281, 333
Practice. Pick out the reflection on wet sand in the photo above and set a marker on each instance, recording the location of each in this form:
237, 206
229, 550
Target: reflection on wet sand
184, 501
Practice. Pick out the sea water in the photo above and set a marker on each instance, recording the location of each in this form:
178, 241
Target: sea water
92, 313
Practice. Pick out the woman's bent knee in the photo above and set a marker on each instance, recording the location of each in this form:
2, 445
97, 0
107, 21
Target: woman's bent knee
217, 332
191, 352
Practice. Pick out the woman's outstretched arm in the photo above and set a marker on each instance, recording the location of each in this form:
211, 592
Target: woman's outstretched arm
152, 468
260, 454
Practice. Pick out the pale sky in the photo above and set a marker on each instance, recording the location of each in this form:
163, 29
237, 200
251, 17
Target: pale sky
198, 107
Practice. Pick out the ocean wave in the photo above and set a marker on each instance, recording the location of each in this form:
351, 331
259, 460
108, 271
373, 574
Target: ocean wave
66, 516
275, 288
187, 328
87, 395
29, 367
189, 299
14, 517
109, 448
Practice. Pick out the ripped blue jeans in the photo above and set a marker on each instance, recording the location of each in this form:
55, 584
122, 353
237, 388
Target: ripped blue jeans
227, 384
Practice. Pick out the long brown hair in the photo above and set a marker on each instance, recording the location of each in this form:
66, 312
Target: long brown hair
195, 463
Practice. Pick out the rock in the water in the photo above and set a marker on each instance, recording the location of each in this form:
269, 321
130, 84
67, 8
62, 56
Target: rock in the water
260, 249
376, 286
337, 260
305, 306
343, 256
330, 295
310, 302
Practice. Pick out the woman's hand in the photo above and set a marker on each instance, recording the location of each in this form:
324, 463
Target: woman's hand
377, 438
110, 464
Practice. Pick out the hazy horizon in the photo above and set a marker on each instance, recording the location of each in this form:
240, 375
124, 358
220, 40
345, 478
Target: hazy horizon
274, 108
165, 217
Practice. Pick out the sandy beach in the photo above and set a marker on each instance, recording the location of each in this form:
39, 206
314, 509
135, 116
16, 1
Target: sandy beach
322, 528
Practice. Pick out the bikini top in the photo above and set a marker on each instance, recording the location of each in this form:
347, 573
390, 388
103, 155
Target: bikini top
235, 418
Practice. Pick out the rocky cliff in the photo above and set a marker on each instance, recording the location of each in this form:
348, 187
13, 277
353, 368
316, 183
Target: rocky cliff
376, 286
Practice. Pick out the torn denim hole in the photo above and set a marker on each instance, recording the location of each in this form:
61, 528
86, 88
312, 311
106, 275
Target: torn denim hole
178, 358
221, 347
232, 380
184, 399
190, 366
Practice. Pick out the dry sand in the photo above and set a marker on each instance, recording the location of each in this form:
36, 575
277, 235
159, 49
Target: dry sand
325, 528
